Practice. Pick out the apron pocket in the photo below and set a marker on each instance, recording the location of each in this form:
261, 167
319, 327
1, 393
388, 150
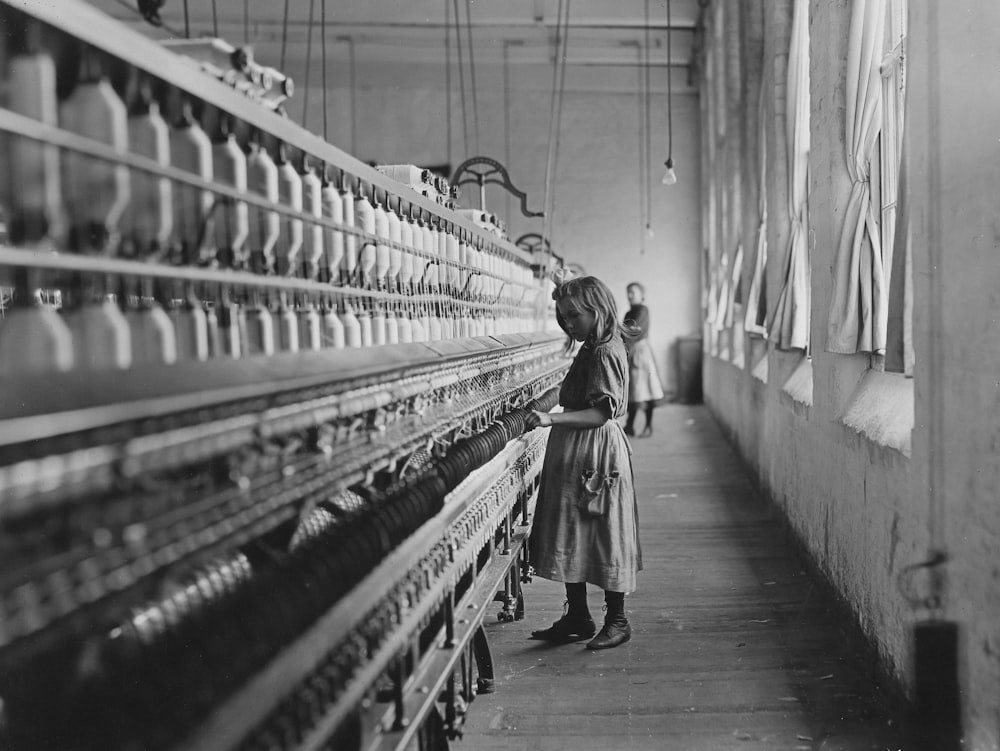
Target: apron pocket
596, 492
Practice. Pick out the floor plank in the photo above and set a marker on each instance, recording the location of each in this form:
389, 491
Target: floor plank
733, 645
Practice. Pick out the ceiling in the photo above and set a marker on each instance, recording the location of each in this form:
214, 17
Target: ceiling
606, 38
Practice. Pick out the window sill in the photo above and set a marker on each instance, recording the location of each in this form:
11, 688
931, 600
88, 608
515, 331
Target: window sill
881, 410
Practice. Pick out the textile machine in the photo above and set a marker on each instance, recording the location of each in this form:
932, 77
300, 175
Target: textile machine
263, 467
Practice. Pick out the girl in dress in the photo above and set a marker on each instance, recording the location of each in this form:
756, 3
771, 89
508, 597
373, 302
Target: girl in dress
585, 528
644, 380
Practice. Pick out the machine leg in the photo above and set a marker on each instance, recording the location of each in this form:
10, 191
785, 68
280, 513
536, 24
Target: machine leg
484, 662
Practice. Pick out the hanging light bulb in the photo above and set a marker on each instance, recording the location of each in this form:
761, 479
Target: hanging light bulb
669, 176
649, 231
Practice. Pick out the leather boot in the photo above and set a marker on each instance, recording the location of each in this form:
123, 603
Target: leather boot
616, 631
616, 628
567, 628
576, 623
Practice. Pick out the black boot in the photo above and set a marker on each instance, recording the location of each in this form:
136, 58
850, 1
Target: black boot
576, 624
616, 630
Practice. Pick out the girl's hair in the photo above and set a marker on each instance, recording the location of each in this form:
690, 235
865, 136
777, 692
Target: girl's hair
593, 295
642, 290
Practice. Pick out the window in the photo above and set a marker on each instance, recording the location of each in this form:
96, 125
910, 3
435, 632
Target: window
893, 215
893, 81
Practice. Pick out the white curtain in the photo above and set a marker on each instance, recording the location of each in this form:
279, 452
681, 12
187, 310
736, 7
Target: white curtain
790, 326
858, 305
899, 331
722, 313
755, 320
735, 277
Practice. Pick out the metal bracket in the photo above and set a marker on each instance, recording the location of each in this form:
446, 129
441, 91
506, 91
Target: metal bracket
491, 172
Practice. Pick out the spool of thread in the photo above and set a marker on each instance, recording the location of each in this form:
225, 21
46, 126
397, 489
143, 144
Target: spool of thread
265, 225
191, 151
351, 326
313, 251
405, 329
260, 328
333, 240
34, 183
289, 247
395, 254
383, 252
149, 222
406, 228
349, 266
310, 327
101, 336
365, 326
154, 341
232, 327
95, 192
364, 217
418, 329
287, 326
191, 327
333, 329
379, 334
232, 224
33, 337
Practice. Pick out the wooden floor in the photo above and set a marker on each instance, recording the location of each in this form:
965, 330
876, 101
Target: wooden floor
733, 646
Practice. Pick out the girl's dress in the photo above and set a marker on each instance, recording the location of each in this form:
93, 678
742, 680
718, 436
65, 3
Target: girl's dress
585, 527
644, 383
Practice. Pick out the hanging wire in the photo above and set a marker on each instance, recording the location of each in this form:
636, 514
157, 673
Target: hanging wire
354, 87
555, 116
648, 208
305, 87
643, 156
552, 124
559, 108
447, 75
187, 21
461, 80
506, 118
322, 42
670, 102
472, 71
215, 19
284, 34
246, 21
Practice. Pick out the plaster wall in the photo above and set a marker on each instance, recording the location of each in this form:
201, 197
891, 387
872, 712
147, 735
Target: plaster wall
954, 151
868, 504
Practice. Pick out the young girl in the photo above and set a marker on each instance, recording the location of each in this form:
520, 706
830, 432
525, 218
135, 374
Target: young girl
585, 525
644, 380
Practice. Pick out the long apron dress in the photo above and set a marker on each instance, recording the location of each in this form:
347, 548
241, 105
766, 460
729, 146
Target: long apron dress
585, 527
644, 380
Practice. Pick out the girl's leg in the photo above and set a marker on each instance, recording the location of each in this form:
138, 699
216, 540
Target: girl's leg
616, 630
577, 623
648, 430
576, 598
633, 410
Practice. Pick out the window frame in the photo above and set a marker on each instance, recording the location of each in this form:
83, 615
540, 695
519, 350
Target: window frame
885, 180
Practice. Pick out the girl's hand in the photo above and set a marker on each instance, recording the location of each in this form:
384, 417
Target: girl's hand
535, 419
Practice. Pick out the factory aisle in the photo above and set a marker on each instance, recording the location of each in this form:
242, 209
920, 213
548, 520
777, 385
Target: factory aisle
733, 645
